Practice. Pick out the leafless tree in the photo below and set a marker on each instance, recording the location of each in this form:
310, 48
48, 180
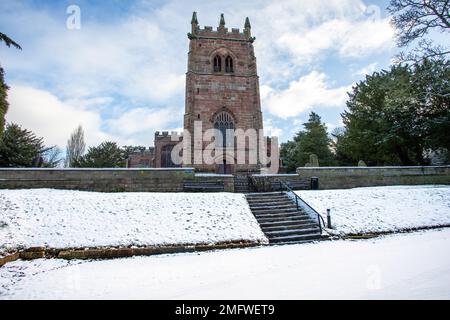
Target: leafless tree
75, 147
414, 20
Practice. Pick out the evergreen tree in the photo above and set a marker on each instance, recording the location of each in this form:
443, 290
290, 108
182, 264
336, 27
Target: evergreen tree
20, 148
3, 87
3, 101
395, 116
431, 81
341, 154
288, 155
9, 42
106, 155
313, 140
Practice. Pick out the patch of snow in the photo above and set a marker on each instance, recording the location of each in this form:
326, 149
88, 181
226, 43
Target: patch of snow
65, 219
401, 266
380, 209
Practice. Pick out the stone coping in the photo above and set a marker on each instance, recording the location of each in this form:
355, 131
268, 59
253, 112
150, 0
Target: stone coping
369, 168
275, 175
213, 175
120, 252
98, 169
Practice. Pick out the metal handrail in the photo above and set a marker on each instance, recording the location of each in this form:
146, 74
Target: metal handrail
252, 183
320, 219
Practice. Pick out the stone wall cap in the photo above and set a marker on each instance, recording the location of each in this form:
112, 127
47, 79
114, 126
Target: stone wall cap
275, 175
96, 169
369, 168
212, 175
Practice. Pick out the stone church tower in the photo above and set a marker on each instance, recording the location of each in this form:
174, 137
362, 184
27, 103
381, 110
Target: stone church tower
222, 87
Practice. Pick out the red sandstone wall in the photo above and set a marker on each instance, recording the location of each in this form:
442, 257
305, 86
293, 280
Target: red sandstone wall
207, 93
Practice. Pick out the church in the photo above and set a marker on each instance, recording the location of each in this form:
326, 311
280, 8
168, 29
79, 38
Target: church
222, 95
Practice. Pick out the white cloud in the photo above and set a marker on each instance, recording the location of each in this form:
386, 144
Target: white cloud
271, 130
144, 54
140, 60
369, 69
48, 117
308, 92
54, 119
139, 120
135, 58
348, 38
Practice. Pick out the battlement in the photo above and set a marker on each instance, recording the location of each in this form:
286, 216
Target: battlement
144, 150
221, 32
166, 135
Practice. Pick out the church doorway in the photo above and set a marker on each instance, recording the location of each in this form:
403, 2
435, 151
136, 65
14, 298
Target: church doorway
166, 157
224, 168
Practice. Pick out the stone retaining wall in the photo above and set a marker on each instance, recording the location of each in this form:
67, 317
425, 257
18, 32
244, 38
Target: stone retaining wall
102, 180
111, 253
263, 182
226, 179
351, 177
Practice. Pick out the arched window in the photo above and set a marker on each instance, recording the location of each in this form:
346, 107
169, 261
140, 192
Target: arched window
224, 123
217, 64
166, 157
229, 65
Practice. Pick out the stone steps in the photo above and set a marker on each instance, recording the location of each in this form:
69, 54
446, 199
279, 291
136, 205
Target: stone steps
241, 184
295, 226
295, 238
281, 220
269, 205
256, 204
272, 210
281, 214
291, 232
285, 223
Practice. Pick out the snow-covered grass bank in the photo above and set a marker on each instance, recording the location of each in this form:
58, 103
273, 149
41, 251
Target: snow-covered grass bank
381, 209
65, 219
401, 266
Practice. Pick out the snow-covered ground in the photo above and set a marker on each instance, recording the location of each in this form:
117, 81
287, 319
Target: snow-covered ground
62, 219
378, 209
406, 266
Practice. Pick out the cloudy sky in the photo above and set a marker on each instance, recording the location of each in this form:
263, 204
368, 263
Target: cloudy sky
122, 74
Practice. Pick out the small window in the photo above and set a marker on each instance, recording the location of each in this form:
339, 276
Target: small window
229, 65
217, 64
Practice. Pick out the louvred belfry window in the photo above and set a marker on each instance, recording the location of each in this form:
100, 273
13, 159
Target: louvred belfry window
229, 65
217, 64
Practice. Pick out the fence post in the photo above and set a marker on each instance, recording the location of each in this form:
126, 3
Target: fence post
329, 218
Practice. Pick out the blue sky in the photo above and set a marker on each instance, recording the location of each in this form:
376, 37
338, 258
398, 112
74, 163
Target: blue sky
122, 75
